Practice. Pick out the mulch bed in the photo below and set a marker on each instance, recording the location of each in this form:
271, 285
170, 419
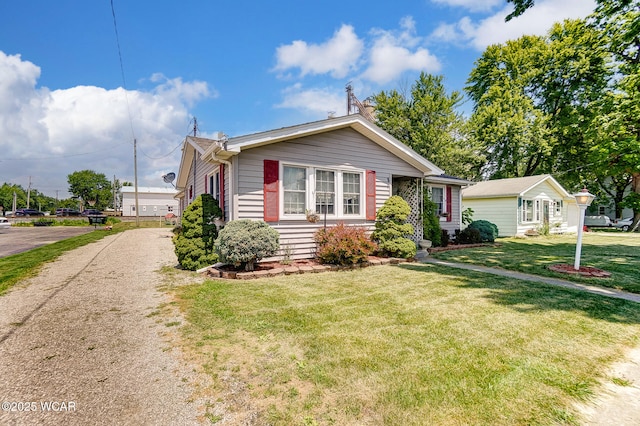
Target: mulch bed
274, 268
585, 271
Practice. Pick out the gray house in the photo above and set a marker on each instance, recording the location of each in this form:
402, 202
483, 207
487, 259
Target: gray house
341, 169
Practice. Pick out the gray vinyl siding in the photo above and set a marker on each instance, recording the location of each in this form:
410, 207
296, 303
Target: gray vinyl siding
202, 169
456, 220
340, 149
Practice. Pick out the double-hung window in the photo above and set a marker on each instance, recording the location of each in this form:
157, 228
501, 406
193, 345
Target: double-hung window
325, 191
527, 210
294, 189
351, 193
438, 197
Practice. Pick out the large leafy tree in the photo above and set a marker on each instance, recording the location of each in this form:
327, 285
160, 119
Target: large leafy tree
616, 145
533, 101
6, 196
427, 120
90, 186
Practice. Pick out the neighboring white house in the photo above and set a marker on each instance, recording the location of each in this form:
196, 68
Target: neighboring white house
517, 205
342, 169
151, 201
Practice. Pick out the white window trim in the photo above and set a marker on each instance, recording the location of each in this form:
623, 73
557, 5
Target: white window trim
310, 192
444, 199
537, 210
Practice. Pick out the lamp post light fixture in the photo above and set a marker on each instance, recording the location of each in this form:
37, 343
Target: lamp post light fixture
583, 199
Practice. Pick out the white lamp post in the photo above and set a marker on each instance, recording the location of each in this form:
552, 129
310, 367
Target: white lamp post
583, 199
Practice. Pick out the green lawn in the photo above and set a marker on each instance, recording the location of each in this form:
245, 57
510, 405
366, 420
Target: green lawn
618, 253
412, 344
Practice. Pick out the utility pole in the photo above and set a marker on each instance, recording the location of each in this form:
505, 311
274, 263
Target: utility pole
29, 192
135, 174
115, 199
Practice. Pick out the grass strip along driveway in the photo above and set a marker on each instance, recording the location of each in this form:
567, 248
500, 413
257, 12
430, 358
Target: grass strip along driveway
23, 265
618, 253
411, 344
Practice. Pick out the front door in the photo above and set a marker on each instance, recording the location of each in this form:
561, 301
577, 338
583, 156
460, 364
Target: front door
545, 212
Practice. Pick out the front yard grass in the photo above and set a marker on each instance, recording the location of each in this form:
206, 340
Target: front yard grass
618, 253
412, 344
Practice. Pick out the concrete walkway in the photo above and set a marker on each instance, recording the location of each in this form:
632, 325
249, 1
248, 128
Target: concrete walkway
615, 404
602, 291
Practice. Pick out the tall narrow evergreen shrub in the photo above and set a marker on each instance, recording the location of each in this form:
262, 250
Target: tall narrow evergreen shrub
392, 230
195, 239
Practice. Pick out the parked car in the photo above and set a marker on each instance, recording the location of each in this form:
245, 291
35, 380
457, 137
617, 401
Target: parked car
623, 224
67, 212
28, 212
4, 223
91, 212
600, 221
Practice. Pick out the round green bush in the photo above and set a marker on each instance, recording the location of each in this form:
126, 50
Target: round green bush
244, 242
488, 231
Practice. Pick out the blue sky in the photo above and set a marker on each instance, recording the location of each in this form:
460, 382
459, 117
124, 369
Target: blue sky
239, 67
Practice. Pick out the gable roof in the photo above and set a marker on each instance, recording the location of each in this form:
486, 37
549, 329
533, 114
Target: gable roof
233, 146
190, 147
511, 187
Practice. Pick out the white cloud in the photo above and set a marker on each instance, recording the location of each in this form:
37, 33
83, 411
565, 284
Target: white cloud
337, 56
319, 102
390, 53
493, 29
472, 5
50, 134
394, 52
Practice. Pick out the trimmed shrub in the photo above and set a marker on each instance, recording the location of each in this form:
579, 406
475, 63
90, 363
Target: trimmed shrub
444, 238
488, 231
343, 245
392, 229
244, 242
194, 239
468, 236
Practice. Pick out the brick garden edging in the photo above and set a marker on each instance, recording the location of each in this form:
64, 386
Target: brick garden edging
214, 272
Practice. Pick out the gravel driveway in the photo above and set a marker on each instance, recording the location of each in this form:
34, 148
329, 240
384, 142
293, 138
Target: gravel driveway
82, 343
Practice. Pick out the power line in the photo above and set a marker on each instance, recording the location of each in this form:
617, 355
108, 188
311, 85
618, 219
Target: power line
124, 83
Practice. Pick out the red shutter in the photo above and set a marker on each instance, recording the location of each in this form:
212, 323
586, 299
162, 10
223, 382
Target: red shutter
221, 183
271, 201
205, 184
449, 212
371, 195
